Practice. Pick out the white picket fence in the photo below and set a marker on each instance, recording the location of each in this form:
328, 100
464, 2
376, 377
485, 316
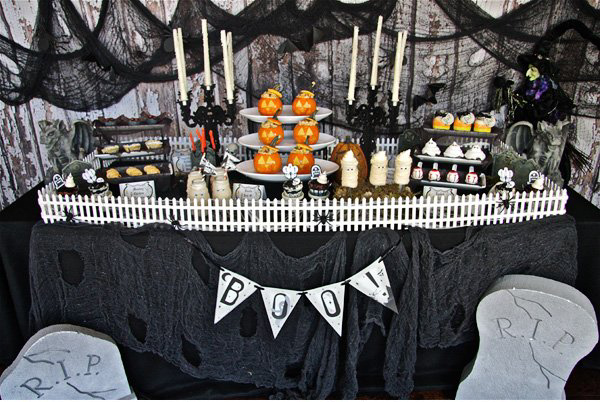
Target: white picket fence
306, 215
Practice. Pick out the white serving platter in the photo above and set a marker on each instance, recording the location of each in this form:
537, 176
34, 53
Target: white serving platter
253, 142
287, 116
247, 169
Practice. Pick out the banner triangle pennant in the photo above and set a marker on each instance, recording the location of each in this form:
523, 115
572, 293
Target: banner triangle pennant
279, 304
373, 281
329, 302
232, 291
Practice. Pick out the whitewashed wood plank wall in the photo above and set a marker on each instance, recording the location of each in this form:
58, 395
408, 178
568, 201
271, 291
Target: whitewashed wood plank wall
23, 159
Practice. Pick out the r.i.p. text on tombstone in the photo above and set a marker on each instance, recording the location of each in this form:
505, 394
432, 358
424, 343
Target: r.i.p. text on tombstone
66, 362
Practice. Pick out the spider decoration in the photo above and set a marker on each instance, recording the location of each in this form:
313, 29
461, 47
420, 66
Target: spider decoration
71, 217
506, 203
175, 223
324, 218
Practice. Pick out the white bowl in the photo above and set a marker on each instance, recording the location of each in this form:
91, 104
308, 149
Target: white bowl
251, 141
287, 116
247, 169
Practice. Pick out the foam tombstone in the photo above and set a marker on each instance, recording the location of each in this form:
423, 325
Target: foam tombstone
532, 332
66, 362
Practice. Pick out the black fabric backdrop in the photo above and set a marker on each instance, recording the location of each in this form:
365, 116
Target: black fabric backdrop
151, 375
107, 66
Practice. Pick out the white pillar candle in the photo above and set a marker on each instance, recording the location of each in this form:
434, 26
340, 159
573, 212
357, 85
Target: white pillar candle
349, 170
226, 66
230, 48
376, 53
183, 65
378, 171
400, 44
402, 165
352, 83
178, 62
207, 73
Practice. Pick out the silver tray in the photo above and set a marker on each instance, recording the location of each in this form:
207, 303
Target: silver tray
459, 186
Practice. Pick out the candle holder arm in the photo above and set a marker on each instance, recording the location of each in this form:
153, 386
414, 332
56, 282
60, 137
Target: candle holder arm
393, 112
186, 111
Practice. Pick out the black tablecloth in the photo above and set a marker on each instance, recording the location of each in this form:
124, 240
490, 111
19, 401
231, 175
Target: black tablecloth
152, 376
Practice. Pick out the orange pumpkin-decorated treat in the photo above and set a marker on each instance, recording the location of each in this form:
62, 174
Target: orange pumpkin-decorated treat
267, 160
304, 104
307, 128
302, 157
270, 102
269, 130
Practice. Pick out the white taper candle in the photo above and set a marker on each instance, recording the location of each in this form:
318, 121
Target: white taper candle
400, 45
226, 66
352, 83
207, 73
376, 53
183, 64
230, 48
182, 93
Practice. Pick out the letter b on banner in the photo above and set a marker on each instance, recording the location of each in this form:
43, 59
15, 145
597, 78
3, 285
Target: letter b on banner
233, 290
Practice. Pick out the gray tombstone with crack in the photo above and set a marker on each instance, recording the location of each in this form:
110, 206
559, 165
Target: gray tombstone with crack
67, 362
532, 332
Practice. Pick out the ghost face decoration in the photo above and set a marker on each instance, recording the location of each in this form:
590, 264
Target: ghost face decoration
378, 173
403, 164
220, 185
349, 170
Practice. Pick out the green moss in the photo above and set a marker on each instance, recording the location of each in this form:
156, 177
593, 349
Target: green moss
367, 190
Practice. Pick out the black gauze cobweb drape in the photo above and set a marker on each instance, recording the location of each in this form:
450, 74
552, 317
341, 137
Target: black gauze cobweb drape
80, 69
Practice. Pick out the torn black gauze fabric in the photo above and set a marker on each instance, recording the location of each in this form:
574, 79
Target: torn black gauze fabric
152, 299
453, 281
364, 315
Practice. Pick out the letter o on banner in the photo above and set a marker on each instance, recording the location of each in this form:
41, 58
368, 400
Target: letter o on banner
329, 302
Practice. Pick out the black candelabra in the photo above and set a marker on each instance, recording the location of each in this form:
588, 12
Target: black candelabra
210, 116
369, 116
